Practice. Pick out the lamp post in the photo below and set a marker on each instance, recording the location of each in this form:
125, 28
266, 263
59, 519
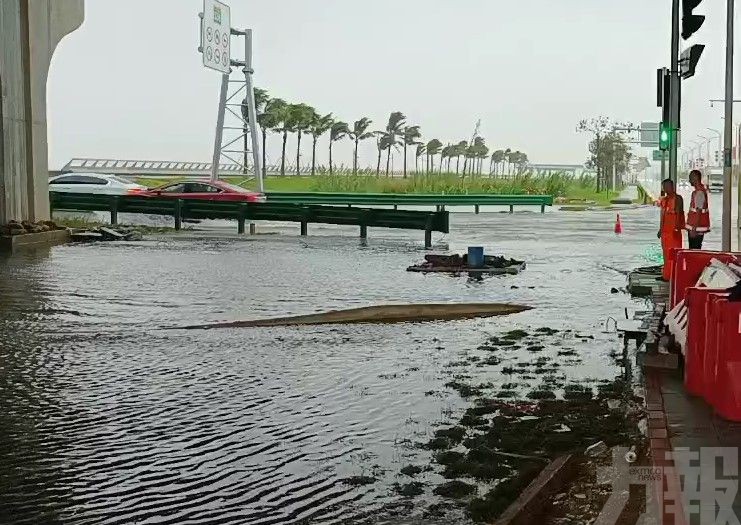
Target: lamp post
696, 156
720, 138
706, 140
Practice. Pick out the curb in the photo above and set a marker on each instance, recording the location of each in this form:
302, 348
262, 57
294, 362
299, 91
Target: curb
528, 506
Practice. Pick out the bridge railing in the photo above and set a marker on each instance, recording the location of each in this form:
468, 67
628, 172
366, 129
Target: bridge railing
179, 209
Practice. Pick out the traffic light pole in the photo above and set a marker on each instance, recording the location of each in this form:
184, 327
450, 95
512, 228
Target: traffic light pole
674, 92
728, 138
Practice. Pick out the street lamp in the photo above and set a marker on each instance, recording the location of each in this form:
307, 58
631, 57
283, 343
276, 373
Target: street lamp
706, 140
720, 137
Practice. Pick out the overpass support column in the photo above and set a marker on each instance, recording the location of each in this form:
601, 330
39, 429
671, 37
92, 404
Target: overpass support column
29, 33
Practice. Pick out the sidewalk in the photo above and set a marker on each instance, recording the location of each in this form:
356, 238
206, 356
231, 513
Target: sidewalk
704, 448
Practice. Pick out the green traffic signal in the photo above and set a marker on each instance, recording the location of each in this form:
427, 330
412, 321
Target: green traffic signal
665, 137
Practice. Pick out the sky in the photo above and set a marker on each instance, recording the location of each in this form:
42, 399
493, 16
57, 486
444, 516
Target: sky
130, 84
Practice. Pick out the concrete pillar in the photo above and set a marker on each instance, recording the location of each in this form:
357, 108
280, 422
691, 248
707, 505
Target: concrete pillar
29, 33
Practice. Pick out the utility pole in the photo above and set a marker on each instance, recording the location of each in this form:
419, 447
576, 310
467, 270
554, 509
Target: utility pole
674, 92
728, 138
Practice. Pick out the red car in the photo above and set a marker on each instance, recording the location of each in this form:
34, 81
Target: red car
205, 190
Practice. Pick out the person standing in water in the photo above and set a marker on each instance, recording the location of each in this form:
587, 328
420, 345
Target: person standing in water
672, 224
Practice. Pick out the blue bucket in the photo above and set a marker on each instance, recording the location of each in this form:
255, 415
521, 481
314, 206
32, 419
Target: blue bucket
475, 257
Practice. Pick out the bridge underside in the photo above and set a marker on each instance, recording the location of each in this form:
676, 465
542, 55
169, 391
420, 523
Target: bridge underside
29, 33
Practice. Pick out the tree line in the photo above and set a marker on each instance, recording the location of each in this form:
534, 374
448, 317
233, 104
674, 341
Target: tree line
275, 115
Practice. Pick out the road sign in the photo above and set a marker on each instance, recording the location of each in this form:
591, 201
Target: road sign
660, 155
650, 134
216, 36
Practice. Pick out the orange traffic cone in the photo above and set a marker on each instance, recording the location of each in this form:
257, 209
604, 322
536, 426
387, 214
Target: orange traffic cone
618, 225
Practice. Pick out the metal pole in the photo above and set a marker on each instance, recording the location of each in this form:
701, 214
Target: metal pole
675, 83
219, 127
251, 111
728, 142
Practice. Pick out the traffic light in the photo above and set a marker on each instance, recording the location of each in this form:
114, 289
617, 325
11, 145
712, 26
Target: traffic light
689, 59
665, 136
690, 22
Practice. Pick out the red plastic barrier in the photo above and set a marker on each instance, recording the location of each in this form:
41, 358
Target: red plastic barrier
713, 311
694, 352
728, 380
688, 267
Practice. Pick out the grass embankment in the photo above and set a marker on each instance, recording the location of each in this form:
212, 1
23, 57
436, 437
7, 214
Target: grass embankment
562, 186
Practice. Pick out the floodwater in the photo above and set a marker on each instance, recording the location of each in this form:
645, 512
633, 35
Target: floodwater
105, 419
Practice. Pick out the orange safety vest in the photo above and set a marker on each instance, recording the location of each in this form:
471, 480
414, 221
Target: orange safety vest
671, 220
698, 219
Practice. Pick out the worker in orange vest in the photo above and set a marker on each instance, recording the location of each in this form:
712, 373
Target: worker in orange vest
672, 224
698, 217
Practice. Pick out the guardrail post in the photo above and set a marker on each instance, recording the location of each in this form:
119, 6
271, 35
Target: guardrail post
253, 229
396, 206
178, 213
363, 231
428, 233
542, 208
304, 228
511, 208
240, 218
114, 209
476, 209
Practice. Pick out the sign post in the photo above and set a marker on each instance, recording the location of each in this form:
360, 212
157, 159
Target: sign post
216, 33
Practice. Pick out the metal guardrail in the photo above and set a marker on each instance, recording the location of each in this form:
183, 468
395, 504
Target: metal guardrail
241, 212
398, 199
147, 167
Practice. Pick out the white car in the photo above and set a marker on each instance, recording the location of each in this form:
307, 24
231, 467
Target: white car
93, 183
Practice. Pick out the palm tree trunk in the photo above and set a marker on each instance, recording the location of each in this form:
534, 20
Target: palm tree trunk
283, 155
330, 156
405, 159
416, 164
378, 164
355, 159
313, 156
264, 141
298, 155
388, 161
457, 164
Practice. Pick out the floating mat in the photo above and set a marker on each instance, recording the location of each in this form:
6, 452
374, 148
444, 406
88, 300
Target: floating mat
396, 313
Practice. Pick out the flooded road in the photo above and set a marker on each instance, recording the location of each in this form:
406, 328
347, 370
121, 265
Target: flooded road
108, 420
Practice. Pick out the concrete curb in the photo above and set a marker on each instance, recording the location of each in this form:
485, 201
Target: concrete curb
30, 241
527, 508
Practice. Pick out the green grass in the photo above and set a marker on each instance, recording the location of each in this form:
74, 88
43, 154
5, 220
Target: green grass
558, 185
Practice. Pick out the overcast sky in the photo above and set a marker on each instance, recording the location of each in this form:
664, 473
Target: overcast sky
130, 83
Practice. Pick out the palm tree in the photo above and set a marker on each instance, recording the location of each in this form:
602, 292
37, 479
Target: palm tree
319, 126
497, 158
300, 116
523, 159
480, 152
433, 148
359, 132
387, 143
285, 126
507, 154
390, 135
460, 149
269, 120
338, 131
421, 150
410, 137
